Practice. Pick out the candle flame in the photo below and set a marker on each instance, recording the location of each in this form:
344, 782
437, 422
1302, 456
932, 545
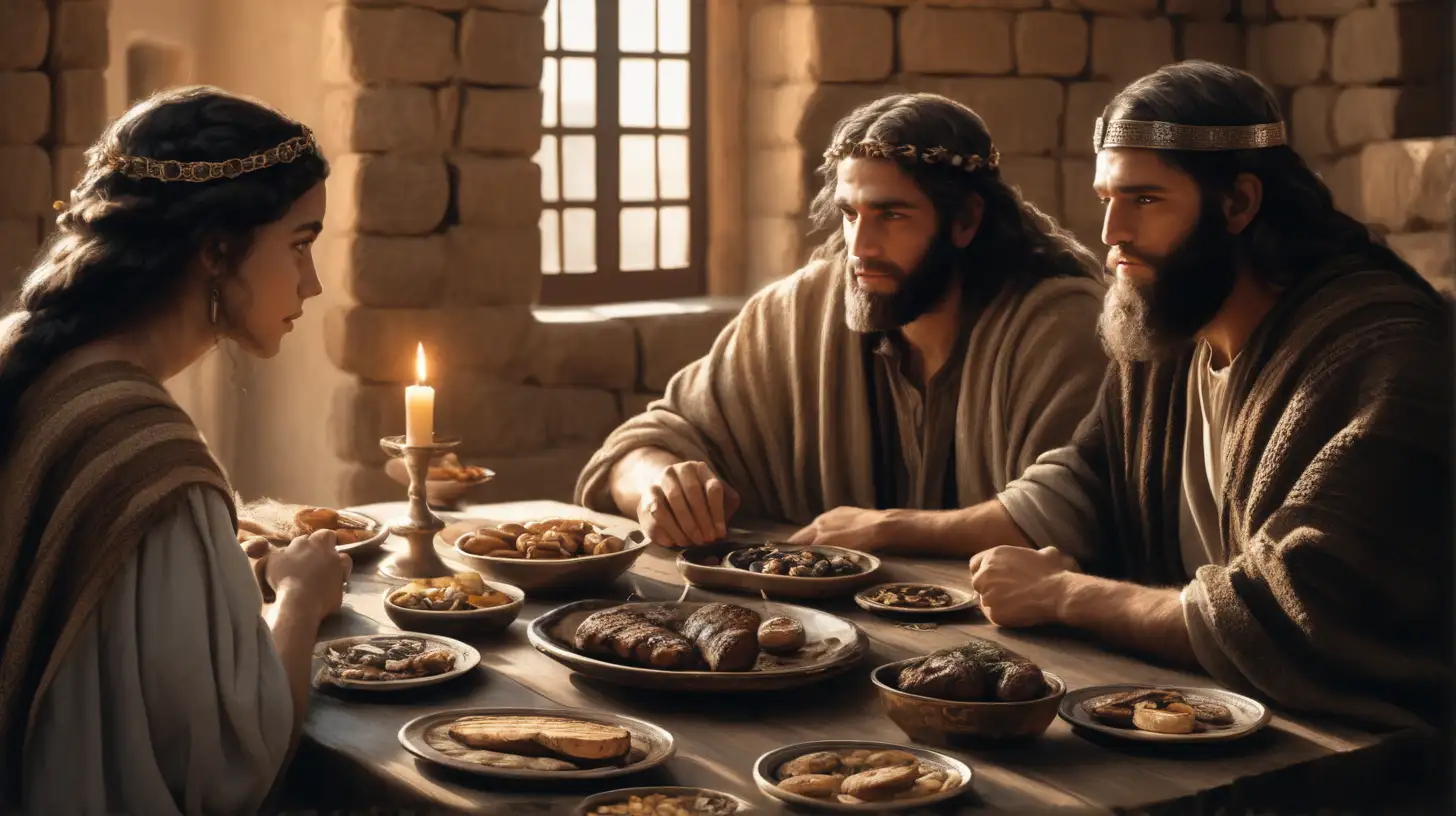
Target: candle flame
420, 364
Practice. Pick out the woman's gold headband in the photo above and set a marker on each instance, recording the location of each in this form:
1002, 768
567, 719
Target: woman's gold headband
930, 155
1169, 136
141, 167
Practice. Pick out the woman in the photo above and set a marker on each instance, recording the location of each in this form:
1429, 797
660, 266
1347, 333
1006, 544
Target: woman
138, 674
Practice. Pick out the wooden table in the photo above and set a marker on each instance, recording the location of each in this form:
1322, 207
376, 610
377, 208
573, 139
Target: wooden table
350, 755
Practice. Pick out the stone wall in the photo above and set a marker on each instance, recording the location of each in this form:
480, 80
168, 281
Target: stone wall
1040, 71
52, 90
433, 117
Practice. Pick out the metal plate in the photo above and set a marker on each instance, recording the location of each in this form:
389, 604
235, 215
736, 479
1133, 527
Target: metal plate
1249, 715
765, 774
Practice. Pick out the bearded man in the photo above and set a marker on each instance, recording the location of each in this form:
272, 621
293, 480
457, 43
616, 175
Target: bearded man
942, 338
1264, 487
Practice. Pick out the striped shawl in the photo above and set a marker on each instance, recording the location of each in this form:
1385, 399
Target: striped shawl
100, 454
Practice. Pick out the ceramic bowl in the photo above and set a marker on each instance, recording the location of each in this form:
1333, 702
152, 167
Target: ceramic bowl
464, 623
556, 574
765, 775
694, 564
438, 492
589, 805
951, 722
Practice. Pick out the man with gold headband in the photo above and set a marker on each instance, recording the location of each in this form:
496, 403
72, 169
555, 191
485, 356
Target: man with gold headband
1263, 489
935, 346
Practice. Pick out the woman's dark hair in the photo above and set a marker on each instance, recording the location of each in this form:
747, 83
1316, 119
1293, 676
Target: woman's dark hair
1297, 231
1016, 243
123, 246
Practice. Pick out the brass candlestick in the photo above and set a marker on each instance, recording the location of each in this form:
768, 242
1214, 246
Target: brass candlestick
421, 525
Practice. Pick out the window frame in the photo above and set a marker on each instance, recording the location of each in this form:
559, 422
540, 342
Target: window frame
609, 284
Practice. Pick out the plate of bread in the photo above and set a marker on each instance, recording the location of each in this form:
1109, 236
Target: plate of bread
537, 743
696, 646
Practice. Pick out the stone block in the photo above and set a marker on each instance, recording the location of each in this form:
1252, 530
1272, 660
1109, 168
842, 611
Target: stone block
1023, 115
1431, 255
494, 266
820, 44
68, 165
779, 181
774, 113
1080, 204
394, 272
956, 41
19, 241
1085, 102
669, 342
1216, 42
387, 45
79, 35
1037, 178
1200, 9
380, 118
1400, 186
25, 29
497, 192
578, 347
1126, 7
634, 403
1409, 42
1291, 53
448, 101
501, 121
26, 192
79, 106
826, 105
389, 194
1311, 111
1124, 49
1363, 115
776, 247
25, 96
1289, 9
379, 344
1051, 43
493, 419
503, 50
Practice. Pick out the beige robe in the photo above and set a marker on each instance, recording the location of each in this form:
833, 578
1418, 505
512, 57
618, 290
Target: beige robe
172, 698
779, 407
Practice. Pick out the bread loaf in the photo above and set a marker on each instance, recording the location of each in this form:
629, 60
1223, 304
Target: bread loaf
544, 736
640, 636
726, 635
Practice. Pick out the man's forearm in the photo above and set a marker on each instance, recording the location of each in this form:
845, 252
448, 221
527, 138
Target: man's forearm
634, 474
1147, 620
954, 533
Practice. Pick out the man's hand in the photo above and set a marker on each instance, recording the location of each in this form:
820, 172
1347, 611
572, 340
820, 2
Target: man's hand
686, 505
852, 528
1020, 586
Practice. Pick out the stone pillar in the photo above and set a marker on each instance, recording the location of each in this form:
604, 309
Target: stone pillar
25, 96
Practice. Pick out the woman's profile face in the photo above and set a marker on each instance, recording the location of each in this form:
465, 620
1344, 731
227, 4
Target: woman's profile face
266, 295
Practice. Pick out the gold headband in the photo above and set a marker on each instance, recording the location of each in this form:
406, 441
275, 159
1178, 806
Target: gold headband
1168, 136
930, 155
140, 167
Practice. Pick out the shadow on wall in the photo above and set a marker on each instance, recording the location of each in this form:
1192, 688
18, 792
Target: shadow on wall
152, 67
1427, 111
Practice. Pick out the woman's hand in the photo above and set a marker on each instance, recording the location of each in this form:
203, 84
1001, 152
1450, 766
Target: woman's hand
310, 572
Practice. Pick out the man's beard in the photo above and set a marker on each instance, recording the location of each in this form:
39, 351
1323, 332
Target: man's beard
918, 292
1158, 320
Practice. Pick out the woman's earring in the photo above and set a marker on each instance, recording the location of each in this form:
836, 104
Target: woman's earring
212, 307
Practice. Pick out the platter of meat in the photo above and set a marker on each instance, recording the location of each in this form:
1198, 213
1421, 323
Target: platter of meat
537, 743
781, 570
391, 662
914, 599
693, 646
1164, 713
860, 777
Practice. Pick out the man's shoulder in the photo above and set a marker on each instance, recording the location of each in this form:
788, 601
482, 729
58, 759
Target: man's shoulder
1063, 299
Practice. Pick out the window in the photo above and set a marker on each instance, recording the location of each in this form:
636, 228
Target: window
622, 159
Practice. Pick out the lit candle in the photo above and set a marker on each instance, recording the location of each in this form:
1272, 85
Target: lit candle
419, 406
